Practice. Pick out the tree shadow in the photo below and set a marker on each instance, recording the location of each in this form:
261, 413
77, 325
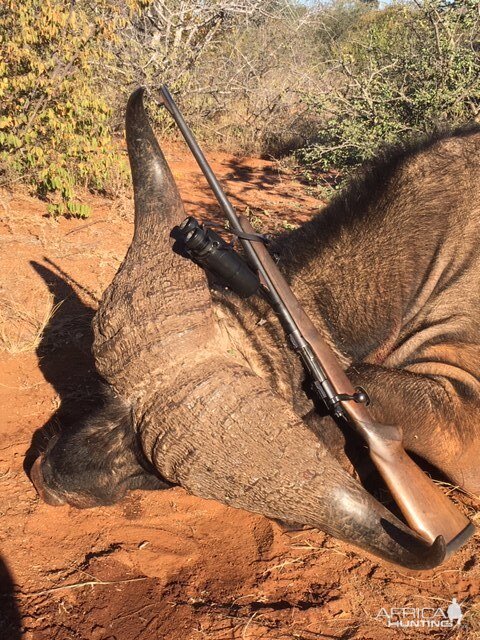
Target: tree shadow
65, 359
10, 618
243, 182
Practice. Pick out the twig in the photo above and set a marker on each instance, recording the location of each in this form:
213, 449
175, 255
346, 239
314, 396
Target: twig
84, 226
77, 585
248, 624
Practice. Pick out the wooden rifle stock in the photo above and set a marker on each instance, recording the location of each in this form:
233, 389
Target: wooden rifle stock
425, 507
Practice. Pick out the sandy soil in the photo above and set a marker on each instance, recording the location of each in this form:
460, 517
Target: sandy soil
162, 565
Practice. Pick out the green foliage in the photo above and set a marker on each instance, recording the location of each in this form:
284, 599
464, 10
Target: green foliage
396, 72
54, 115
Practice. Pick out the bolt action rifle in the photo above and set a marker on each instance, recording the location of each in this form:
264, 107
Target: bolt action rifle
426, 509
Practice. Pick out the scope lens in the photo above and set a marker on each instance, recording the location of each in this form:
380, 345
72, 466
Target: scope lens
196, 239
189, 235
189, 223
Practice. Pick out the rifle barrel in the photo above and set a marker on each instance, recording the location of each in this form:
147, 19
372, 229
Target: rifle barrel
199, 156
226, 207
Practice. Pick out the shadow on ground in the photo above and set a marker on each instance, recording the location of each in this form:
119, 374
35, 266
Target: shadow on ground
65, 359
10, 619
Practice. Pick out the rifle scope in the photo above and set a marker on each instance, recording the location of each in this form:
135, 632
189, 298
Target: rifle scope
210, 251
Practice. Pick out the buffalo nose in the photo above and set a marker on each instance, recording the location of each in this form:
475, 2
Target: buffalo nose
46, 494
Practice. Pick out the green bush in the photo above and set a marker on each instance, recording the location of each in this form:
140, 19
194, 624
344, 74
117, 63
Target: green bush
54, 114
392, 74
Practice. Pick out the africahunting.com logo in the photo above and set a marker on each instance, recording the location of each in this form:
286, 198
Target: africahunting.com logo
427, 617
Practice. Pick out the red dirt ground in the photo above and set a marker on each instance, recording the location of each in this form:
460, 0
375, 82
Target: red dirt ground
163, 565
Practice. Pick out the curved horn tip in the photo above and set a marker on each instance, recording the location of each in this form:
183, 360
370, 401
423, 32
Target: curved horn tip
363, 521
155, 192
137, 123
135, 100
433, 556
414, 552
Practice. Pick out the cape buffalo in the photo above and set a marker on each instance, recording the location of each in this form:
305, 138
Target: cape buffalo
203, 390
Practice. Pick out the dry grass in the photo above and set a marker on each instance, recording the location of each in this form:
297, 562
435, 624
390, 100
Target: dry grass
21, 326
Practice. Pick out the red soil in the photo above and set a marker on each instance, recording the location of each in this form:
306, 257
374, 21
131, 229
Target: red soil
163, 565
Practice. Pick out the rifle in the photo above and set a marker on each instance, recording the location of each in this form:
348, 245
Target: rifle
426, 509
